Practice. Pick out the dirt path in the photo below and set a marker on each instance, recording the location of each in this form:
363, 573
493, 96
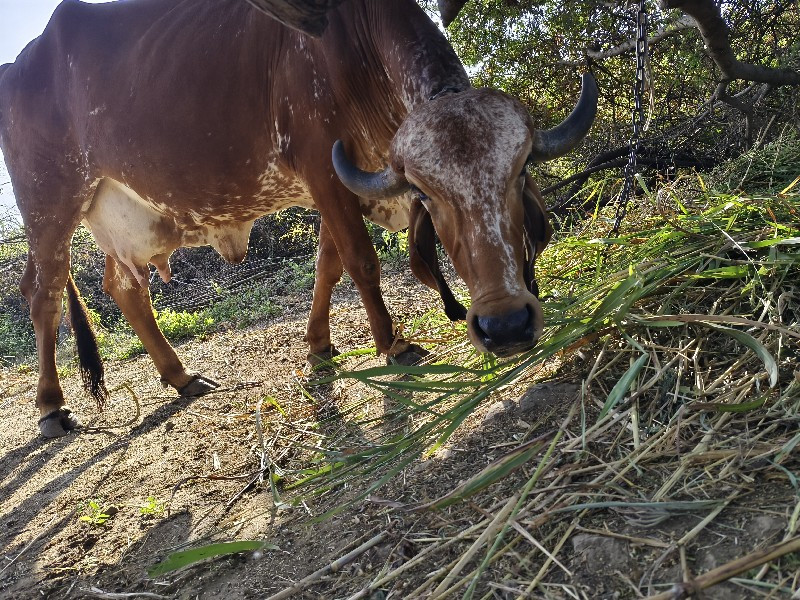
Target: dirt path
175, 451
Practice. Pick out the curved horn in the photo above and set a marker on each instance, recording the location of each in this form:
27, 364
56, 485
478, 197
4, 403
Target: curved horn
383, 184
552, 143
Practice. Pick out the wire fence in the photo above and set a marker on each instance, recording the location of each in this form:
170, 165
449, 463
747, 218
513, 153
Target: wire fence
197, 294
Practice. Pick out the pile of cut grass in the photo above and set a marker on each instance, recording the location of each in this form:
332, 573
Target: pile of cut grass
683, 333
768, 168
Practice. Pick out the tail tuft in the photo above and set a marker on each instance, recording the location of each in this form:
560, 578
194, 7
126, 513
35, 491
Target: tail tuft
91, 365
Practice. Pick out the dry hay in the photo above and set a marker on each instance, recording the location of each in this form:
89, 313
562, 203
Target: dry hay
682, 429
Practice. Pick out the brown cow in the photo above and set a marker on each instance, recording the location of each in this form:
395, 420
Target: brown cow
168, 123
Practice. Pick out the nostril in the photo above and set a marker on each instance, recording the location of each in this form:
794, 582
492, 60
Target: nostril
479, 331
509, 329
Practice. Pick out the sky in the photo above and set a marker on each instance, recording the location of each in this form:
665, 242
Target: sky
20, 22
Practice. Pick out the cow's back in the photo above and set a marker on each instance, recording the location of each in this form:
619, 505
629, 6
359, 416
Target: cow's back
146, 92
209, 108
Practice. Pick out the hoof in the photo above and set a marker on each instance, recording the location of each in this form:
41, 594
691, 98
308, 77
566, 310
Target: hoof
199, 386
412, 356
320, 359
58, 423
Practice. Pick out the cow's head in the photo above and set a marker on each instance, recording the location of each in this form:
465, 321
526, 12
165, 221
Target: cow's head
464, 156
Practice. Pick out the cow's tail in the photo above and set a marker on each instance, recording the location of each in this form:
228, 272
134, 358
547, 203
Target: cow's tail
91, 365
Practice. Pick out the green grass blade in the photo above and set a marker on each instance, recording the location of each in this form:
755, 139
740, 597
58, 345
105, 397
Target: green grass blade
185, 558
494, 472
623, 385
395, 370
748, 340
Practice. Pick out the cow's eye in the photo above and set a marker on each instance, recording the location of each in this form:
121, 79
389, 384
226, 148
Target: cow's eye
419, 194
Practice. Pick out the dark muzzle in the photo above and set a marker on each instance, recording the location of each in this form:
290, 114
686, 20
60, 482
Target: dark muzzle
509, 334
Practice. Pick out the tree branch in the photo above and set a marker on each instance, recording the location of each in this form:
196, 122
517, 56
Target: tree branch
685, 22
449, 10
716, 35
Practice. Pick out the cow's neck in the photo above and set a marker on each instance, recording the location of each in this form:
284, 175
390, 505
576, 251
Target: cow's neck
409, 61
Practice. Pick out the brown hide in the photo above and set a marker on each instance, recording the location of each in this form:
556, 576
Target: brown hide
309, 16
168, 123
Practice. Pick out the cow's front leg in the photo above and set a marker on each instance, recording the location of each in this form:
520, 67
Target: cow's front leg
134, 302
328, 273
349, 233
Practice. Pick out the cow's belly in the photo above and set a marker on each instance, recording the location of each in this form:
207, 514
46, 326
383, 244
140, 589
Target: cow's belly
135, 232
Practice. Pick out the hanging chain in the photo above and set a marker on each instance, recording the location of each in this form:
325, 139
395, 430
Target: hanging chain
637, 116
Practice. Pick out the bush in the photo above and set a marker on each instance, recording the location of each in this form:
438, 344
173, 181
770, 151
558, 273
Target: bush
175, 325
243, 309
17, 339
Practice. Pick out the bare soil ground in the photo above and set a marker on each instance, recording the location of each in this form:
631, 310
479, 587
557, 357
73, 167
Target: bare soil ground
197, 457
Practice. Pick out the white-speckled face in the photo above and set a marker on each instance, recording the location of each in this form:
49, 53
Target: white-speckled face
466, 152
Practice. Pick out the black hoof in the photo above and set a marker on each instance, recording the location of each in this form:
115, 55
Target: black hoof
413, 356
58, 423
199, 386
323, 358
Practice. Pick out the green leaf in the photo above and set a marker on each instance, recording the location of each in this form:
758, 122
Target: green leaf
185, 558
389, 370
664, 323
623, 385
741, 407
774, 242
788, 448
733, 272
675, 506
496, 471
748, 340
615, 298
273, 402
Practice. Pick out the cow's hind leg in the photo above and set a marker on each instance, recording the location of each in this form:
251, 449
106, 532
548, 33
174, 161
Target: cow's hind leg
328, 273
43, 284
134, 302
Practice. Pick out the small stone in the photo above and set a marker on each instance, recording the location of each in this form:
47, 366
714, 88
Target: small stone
495, 410
547, 394
764, 527
603, 554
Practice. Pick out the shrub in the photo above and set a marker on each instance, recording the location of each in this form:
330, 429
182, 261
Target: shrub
243, 308
175, 325
17, 339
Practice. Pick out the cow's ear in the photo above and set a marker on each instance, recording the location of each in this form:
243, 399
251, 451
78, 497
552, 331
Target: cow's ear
425, 261
538, 230
421, 244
